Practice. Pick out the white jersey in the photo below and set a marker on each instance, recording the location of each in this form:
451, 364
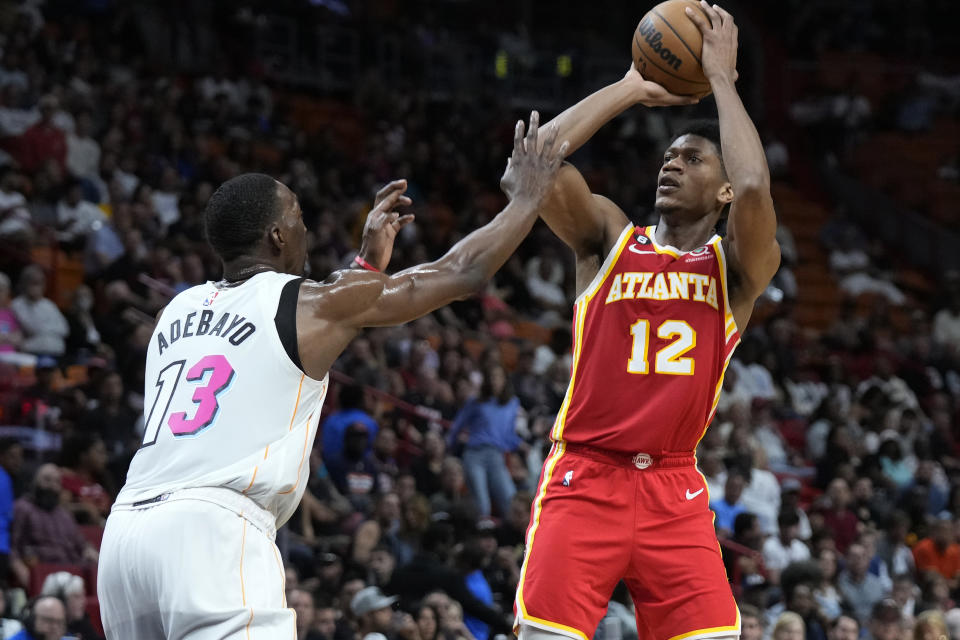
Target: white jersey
226, 403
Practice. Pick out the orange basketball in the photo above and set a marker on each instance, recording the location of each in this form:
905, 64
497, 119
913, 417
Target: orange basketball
667, 46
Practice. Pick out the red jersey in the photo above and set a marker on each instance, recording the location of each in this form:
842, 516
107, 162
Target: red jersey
652, 334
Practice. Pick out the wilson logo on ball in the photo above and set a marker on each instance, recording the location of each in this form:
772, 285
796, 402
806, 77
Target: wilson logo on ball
653, 38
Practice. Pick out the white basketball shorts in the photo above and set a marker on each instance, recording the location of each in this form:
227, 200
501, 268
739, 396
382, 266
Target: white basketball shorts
197, 564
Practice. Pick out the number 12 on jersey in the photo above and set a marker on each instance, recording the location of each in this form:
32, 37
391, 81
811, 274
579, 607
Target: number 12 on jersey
205, 396
668, 359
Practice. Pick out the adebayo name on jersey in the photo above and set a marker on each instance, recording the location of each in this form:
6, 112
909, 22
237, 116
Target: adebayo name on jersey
230, 326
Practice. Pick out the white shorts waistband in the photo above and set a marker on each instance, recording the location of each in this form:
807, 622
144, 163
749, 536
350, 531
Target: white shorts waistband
221, 496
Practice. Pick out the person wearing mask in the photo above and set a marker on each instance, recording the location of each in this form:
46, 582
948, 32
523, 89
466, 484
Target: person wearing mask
43, 531
353, 472
83, 461
487, 428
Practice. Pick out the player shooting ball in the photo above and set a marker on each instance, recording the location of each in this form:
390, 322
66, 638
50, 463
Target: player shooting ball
658, 313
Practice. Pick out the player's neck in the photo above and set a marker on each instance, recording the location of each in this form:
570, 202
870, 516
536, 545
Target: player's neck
246, 267
685, 235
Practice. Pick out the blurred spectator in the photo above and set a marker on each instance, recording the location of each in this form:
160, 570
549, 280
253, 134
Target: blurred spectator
112, 417
77, 218
837, 516
426, 470
789, 626
43, 141
939, 552
729, 506
784, 548
885, 622
83, 151
47, 620
70, 589
353, 472
11, 459
8, 626
930, 625
43, 531
15, 222
751, 623
790, 501
946, 324
44, 327
906, 594
11, 337
844, 627
84, 468
826, 594
302, 604
487, 428
352, 400
860, 588
83, 340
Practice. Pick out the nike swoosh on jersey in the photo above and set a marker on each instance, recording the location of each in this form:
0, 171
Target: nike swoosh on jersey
633, 247
691, 496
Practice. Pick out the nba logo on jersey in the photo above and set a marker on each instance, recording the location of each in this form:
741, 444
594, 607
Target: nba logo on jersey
568, 478
210, 298
642, 239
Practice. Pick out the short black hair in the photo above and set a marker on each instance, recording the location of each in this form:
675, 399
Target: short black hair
708, 129
239, 212
788, 518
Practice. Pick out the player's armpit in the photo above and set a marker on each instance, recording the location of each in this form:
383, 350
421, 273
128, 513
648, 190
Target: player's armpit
587, 223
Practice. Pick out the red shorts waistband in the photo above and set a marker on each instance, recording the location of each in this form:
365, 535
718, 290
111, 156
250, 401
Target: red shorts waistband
639, 460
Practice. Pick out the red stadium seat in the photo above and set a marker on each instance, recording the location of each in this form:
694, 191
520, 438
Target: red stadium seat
93, 534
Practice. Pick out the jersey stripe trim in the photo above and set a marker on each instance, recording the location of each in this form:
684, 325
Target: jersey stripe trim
607, 265
558, 450
296, 405
303, 455
580, 316
730, 322
712, 632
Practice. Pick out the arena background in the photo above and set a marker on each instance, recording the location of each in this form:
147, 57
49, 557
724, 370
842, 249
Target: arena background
839, 419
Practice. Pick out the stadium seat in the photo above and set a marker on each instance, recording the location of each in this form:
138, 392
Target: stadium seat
93, 534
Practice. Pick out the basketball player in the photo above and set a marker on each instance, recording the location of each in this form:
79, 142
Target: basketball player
658, 312
236, 373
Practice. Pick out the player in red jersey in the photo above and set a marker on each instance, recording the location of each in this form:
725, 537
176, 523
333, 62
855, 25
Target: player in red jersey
658, 313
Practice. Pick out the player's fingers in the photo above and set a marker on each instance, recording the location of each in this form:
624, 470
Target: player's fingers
403, 221
531, 140
561, 154
697, 19
712, 15
549, 140
724, 15
391, 186
389, 200
518, 139
405, 201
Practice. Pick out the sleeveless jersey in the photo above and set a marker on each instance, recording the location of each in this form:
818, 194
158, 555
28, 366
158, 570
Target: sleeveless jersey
653, 334
224, 403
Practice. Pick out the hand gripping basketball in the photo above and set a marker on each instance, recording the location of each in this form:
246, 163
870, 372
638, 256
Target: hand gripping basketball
719, 41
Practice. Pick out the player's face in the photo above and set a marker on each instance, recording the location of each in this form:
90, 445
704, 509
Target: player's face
294, 232
691, 177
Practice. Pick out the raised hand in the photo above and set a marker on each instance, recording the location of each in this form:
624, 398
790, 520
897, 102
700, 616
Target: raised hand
531, 169
383, 224
651, 94
719, 56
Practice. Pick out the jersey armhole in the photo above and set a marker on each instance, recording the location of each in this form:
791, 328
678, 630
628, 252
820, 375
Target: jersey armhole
286, 320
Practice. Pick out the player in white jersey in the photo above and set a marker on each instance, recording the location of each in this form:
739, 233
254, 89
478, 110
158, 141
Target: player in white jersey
235, 377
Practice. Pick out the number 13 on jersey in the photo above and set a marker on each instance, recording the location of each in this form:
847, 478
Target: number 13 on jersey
205, 396
668, 360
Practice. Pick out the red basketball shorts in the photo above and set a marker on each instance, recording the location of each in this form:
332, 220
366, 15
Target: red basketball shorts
601, 517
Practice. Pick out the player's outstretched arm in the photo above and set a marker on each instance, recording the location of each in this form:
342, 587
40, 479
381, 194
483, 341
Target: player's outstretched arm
586, 223
329, 314
752, 225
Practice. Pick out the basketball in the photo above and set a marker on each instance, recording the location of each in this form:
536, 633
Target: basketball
667, 46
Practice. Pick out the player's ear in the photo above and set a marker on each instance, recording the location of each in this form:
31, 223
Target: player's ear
275, 238
725, 195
